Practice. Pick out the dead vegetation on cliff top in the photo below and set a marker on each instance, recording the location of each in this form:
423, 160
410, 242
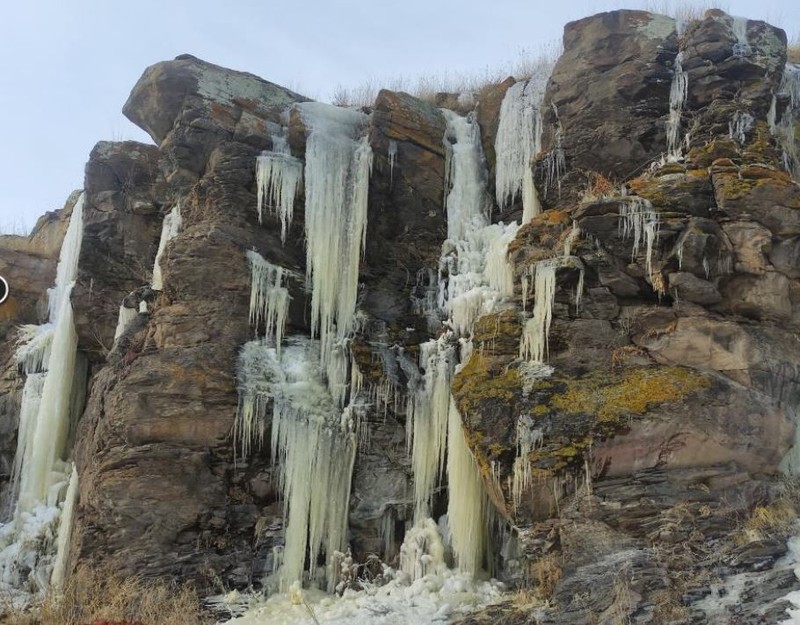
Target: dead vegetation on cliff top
101, 596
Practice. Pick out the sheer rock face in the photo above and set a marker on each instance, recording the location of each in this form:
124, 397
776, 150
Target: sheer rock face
609, 93
676, 382
167, 396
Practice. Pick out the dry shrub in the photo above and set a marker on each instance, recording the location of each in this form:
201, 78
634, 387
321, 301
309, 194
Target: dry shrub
546, 573
598, 187
775, 520
793, 52
97, 596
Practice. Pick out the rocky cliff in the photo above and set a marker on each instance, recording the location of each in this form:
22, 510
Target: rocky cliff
634, 469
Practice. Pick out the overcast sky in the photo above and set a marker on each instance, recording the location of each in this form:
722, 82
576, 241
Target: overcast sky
67, 66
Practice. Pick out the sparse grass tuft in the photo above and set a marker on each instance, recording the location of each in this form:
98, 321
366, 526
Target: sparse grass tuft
434, 88
684, 10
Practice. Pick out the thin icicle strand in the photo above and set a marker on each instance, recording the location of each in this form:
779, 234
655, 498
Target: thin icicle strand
269, 299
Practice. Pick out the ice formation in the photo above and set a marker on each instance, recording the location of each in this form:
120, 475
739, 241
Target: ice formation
125, 317
533, 345
677, 96
34, 345
529, 438
40, 474
519, 139
269, 298
739, 126
784, 129
555, 163
169, 230
742, 47
638, 218
338, 166
468, 505
313, 443
392, 154
278, 176
422, 592
474, 271
427, 421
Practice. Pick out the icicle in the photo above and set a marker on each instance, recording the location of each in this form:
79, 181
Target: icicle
637, 217
169, 230
555, 163
278, 176
313, 443
125, 317
571, 238
338, 166
65, 533
28, 412
677, 96
269, 299
38, 471
392, 160
33, 347
427, 421
739, 126
474, 273
468, 504
533, 345
529, 439
519, 138
784, 129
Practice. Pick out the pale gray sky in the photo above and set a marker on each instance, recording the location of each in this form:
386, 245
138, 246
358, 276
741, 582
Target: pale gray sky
67, 66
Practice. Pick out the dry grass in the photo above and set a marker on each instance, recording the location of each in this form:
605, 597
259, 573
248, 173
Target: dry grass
793, 52
775, 520
547, 573
684, 10
95, 595
430, 87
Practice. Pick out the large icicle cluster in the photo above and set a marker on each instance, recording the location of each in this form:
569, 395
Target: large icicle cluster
475, 278
519, 139
306, 391
40, 475
313, 443
338, 166
278, 176
169, 230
